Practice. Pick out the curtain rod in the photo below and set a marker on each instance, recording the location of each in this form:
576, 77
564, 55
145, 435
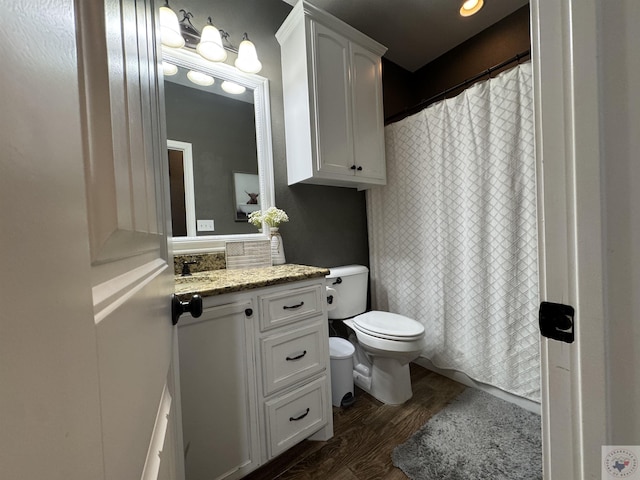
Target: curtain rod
425, 103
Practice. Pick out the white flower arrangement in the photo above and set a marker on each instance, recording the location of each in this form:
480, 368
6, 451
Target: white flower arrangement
273, 217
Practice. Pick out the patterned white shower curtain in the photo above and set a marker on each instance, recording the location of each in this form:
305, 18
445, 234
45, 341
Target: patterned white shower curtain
453, 236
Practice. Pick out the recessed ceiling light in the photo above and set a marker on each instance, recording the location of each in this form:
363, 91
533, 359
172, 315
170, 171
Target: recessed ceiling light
470, 7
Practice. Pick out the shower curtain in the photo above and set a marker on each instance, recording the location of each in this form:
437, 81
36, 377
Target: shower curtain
453, 236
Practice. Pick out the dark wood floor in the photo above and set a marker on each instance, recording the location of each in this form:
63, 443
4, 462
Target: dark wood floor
364, 435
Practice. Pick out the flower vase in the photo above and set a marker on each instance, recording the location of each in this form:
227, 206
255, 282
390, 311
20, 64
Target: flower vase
277, 248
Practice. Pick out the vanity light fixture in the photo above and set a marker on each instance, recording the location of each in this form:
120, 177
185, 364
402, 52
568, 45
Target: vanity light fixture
232, 88
212, 44
471, 7
247, 60
200, 78
170, 34
169, 69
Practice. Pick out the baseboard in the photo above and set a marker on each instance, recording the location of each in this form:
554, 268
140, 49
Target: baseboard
469, 382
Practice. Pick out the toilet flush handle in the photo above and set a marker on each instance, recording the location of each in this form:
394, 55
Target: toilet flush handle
338, 281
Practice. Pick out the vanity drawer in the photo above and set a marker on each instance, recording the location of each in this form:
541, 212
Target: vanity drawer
293, 355
295, 416
290, 306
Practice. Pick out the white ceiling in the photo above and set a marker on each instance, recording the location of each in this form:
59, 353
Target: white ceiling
416, 31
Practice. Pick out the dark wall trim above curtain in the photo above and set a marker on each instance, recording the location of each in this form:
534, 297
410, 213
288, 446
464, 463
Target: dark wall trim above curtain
404, 90
456, 88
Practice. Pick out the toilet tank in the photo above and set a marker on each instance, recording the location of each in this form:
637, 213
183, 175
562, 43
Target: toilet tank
351, 283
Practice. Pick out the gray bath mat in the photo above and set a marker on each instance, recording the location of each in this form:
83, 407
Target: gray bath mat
476, 437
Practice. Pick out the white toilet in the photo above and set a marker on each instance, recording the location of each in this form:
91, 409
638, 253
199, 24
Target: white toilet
386, 342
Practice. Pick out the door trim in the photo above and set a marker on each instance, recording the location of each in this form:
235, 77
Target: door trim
574, 407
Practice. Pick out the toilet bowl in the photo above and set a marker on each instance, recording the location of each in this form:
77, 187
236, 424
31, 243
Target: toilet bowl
385, 342
390, 342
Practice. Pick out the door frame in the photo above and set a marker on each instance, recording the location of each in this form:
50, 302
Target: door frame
573, 376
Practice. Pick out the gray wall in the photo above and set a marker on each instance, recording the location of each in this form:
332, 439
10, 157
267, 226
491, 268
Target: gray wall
327, 225
222, 133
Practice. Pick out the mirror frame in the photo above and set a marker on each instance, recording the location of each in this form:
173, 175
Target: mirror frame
260, 86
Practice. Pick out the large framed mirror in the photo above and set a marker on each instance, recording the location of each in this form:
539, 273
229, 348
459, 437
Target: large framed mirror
220, 151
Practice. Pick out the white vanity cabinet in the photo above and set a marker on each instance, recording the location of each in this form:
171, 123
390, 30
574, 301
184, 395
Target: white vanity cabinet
218, 398
294, 351
254, 377
332, 86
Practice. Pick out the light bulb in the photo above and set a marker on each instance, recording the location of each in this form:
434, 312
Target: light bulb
200, 78
170, 28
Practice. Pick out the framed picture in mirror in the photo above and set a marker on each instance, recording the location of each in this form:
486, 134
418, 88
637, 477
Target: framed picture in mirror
246, 191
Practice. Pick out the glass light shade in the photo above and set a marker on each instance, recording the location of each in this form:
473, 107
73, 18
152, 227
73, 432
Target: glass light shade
470, 7
169, 69
170, 28
200, 78
247, 60
232, 88
210, 46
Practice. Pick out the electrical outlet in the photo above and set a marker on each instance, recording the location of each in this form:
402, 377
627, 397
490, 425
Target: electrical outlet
205, 226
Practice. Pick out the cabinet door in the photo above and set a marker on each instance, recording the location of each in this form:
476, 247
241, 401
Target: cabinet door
368, 120
332, 102
218, 394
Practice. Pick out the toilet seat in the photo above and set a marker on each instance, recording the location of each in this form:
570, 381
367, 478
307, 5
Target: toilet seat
389, 326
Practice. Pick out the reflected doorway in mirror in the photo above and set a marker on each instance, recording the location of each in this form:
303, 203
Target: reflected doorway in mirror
183, 211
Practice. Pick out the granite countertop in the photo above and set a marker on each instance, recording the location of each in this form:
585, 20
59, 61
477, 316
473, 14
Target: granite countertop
217, 282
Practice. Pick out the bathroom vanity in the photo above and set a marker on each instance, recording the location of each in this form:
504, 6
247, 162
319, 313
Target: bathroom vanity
253, 370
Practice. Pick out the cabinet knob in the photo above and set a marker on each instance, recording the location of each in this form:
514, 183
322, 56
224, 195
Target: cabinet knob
353, 167
248, 312
359, 168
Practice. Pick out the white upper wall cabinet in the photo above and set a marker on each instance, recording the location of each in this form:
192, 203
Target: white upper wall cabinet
332, 85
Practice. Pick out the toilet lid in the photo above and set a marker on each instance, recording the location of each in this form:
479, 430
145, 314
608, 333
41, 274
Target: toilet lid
389, 325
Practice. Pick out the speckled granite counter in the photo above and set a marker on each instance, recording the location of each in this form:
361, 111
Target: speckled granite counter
217, 282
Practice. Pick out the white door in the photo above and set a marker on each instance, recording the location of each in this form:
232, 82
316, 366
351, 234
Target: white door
86, 338
567, 149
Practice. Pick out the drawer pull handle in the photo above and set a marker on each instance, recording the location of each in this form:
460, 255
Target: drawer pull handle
297, 357
286, 307
295, 419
